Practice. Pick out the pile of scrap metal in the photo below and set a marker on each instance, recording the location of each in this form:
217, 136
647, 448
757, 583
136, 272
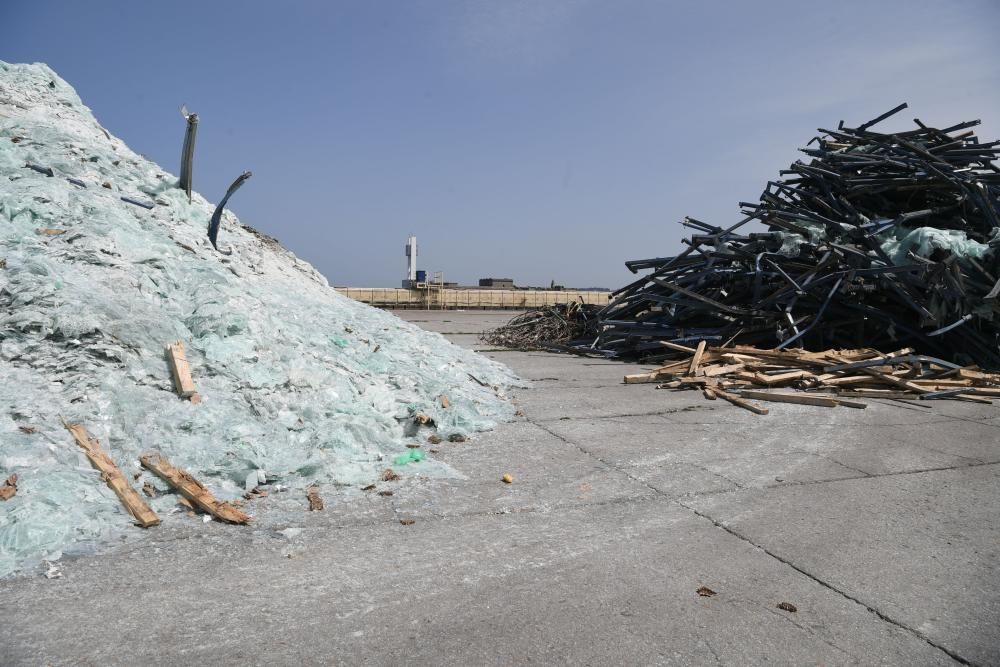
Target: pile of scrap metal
556, 327
880, 240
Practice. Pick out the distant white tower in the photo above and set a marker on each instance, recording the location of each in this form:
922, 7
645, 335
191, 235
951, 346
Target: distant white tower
411, 259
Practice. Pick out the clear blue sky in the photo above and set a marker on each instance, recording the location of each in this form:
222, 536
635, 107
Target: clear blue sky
531, 140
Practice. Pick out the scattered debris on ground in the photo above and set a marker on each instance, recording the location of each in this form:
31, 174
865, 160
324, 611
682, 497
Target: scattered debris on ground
9, 488
787, 606
194, 491
705, 592
181, 372
409, 456
116, 481
507, 478
832, 378
315, 501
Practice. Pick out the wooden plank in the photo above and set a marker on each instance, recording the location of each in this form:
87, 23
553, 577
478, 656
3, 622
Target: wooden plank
641, 378
930, 385
113, 477
192, 489
736, 400
943, 384
740, 358
181, 371
849, 380
722, 370
696, 359
801, 399
881, 393
658, 374
675, 346
768, 380
891, 379
9, 488
974, 374
678, 367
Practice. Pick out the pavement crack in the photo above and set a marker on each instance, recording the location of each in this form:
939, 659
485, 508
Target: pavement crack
604, 462
711, 649
825, 584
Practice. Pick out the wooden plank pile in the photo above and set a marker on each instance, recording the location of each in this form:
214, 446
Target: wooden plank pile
830, 378
880, 240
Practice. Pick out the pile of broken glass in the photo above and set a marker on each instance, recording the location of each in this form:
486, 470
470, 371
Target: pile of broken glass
297, 382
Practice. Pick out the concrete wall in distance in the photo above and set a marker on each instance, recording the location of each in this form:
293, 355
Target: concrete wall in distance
457, 299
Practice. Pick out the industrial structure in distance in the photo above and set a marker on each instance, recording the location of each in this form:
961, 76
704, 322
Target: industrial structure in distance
420, 291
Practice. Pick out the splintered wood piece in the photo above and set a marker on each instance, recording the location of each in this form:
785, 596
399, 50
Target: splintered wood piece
133, 502
761, 378
942, 384
443, 400
675, 346
677, 367
696, 359
9, 488
892, 379
975, 374
801, 399
722, 370
849, 379
315, 502
181, 371
192, 489
708, 392
736, 400
645, 378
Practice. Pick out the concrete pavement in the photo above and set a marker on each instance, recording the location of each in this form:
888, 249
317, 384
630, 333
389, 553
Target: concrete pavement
880, 526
